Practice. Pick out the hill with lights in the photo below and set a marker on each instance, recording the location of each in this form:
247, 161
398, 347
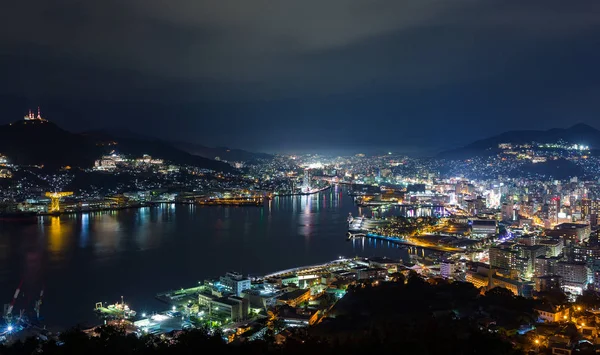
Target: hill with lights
580, 134
37, 141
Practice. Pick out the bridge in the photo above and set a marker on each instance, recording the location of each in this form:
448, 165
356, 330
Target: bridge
311, 269
403, 242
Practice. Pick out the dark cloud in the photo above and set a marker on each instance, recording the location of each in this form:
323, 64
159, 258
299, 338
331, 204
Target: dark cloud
390, 63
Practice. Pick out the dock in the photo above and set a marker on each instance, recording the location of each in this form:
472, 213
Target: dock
179, 297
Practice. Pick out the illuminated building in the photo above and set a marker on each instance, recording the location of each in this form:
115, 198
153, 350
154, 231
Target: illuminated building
108, 162
508, 212
573, 232
554, 247
368, 273
233, 307
550, 313
32, 117
448, 268
547, 283
296, 317
5, 174
586, 254
586, 207
274, 283
484, 227
235, 283
504, 256
574, 275
306, 181
146, 159
529, 254
544, 265
475, 206
294, 298
488, 279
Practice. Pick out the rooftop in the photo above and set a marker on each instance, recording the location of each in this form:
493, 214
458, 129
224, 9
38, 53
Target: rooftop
292, 295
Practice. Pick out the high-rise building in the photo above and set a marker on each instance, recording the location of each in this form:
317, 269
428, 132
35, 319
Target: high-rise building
528, 255
585, 254
571, 232
544, 265
586, 207
554, 247
504, 256
574, 276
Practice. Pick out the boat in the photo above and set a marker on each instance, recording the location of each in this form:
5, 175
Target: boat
114, 311
232, 201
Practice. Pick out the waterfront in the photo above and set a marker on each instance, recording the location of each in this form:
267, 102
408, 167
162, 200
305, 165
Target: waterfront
86, 258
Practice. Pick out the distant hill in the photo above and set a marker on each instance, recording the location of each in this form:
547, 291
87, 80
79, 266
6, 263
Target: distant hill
223, 153
44, 143
577, 134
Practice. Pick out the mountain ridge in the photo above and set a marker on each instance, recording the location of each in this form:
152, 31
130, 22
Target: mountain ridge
223, 153
41, 142
579, 133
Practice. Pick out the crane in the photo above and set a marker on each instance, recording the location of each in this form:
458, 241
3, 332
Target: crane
8, 310
55, 199
38, 304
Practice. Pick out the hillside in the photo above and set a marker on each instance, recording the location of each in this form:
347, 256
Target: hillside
44, 143
223, 153
577, 134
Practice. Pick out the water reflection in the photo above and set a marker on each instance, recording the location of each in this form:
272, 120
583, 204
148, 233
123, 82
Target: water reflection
140, 252
85, 230
57, 235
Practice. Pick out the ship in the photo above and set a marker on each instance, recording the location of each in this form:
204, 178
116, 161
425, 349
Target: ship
232, 201
114, 311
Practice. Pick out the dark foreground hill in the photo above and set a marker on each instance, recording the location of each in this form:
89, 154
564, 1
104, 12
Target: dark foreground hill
393, 318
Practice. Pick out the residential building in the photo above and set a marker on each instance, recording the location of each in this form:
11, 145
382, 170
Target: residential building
574, 275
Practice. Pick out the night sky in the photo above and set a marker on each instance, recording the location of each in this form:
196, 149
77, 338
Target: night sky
287, 76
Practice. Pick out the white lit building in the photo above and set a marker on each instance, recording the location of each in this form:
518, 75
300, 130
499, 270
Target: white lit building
235, 283
448, 268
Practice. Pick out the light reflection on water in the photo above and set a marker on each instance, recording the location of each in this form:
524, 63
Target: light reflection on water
99, 256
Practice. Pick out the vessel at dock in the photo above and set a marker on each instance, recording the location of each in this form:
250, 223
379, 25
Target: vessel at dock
232, 201
114, 311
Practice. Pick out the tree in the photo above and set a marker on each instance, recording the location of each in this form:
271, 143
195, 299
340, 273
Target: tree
589, 299
398, 277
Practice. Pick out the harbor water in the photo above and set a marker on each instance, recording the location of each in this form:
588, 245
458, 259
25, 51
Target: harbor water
79, 260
